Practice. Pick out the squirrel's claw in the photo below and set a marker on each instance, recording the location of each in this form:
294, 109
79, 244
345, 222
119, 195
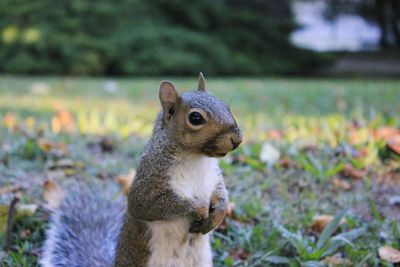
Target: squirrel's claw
202, 226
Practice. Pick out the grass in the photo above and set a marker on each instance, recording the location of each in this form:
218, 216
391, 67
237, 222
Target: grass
327, 136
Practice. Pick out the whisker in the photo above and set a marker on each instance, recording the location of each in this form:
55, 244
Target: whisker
233, 95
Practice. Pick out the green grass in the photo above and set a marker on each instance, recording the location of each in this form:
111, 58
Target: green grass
318, 126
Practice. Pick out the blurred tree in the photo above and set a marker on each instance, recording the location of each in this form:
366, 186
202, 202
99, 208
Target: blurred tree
148, 37
278, 11
385, 13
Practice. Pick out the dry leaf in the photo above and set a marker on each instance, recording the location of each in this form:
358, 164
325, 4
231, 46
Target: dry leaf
230, 209
285, 163
386, 133
394, 144
63, 167
321, 221
240, 254
107, 144
274, 134
10, 189
126, 180
341, 184
10, 121
336, 261
389, 254
28, 209
25, 233
53, 194
269, 154
47, 146
352, 172
63, 120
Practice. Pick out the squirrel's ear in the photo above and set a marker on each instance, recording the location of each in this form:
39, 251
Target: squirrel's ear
202, 83
169, 98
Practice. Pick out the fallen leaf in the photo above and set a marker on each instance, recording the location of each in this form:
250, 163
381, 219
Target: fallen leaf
47, 146
274, 134
386, 133
269, 154
350, 171
126, 180
27, 209
107, 144
67, 166
394, 144
321, 221
53, 194
10, 189
10, 121
230, 209
336, 261
56, 125
285, 163
389, 254
25, 233
341, 184
63, 120
240, 253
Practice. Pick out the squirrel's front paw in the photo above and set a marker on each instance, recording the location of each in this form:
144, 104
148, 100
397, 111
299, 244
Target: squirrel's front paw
200, 210
208, 224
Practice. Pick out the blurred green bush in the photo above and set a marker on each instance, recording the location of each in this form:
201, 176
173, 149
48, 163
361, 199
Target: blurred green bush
151, 37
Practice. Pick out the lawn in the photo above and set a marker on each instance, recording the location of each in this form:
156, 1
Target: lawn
313, 149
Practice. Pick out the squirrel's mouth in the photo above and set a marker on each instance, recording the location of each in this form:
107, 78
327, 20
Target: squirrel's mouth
216, 154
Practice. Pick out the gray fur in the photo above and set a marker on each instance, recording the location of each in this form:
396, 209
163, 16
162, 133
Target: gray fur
84, 229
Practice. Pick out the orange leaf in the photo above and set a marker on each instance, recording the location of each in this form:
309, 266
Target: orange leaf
10, 121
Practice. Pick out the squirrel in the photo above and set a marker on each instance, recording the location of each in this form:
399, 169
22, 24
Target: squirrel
177, 197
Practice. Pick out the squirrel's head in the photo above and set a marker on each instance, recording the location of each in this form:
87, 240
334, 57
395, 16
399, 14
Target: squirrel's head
199, 122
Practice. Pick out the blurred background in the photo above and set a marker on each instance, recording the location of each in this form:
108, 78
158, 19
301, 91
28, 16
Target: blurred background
314, 86
224, 37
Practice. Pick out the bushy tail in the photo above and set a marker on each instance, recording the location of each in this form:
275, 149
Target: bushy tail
83, 231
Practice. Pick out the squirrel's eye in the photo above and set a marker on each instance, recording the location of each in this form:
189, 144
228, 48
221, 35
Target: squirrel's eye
195, 118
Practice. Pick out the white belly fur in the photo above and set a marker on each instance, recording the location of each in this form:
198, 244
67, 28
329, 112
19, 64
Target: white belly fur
171, 244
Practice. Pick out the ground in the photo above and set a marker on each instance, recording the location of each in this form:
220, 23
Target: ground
312, 147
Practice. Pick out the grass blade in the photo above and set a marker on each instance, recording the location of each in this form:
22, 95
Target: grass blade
330, 229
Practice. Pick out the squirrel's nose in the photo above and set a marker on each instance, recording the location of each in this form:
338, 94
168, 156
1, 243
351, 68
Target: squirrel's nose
236, 141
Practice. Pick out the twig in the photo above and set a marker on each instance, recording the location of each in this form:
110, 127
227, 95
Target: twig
11, 213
